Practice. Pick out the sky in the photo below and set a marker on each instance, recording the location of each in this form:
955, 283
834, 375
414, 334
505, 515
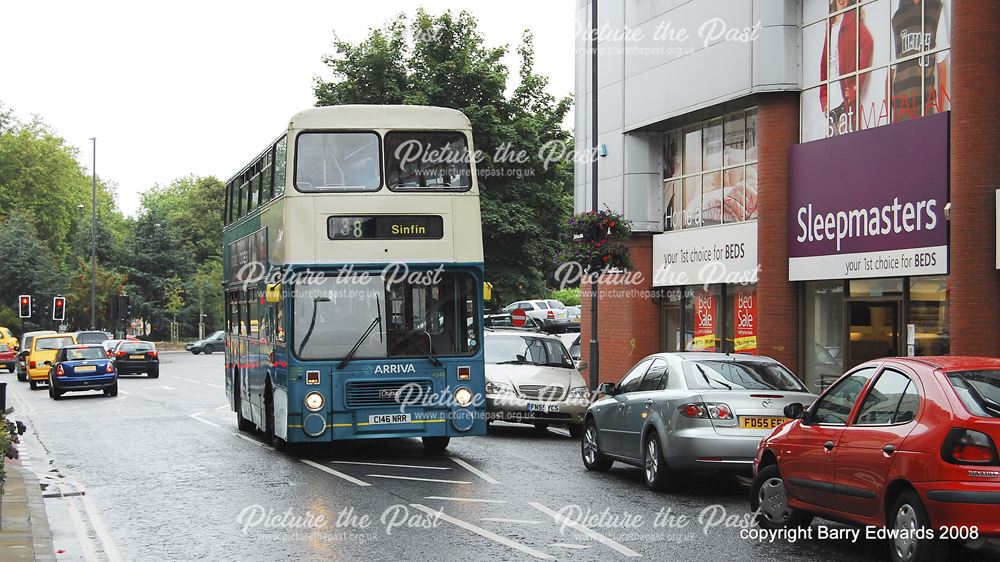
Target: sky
185, 87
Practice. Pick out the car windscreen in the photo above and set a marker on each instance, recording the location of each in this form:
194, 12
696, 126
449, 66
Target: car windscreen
137, 347
91, 337
52, 344
526, 349
978, 390
85, 353
217, 335
741, 375
4, 348
555, 304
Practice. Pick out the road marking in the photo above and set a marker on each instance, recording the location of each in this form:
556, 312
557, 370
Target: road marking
222, 406
484, 533
110, 550
463, 499
392, 465
195, 417
620, 548
570, 545
124, 393
475, 470
502, 520
252, 440
160, 387
417, 479
560, 431
214, 385
86, 543
338, 474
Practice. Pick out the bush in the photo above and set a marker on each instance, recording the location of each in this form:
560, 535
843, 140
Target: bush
569, 296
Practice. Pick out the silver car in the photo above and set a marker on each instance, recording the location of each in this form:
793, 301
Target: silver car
678, 412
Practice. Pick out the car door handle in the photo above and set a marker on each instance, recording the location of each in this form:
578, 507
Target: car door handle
889, 449
828, 445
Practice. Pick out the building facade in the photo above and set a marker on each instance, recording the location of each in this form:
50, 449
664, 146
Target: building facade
811, 180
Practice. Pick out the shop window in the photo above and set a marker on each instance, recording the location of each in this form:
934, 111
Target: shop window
711, 202
701, 318
929, 315
884, 287
823, 344
672, 217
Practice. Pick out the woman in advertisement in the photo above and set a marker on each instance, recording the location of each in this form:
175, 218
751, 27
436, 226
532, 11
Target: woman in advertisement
848, 46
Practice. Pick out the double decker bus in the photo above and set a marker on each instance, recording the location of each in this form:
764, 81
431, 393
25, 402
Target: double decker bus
353, 265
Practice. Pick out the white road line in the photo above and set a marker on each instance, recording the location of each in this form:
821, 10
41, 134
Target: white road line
417, 479
463, 499
392, 465
110, 550
329, 470
86, 543
214, 385
620, 548
475, 470
195, 417
124, 393
484, 533
222, 406
560, 431
570, 545
518, 521
254, 441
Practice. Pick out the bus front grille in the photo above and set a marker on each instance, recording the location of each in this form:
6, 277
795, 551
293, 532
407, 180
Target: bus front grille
368, 394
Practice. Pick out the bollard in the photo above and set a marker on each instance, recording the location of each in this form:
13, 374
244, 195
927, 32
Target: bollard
3, 397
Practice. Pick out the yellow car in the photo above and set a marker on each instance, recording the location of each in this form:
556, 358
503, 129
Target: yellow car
43, 353
7, 337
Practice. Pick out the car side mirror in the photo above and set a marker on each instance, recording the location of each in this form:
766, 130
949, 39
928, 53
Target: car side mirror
581, 364
607, 388
794, 411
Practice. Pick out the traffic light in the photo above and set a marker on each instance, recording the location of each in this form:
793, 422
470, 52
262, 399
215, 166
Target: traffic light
24, 306
59, 308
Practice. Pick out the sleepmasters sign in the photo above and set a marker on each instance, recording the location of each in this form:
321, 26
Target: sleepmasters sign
870, 204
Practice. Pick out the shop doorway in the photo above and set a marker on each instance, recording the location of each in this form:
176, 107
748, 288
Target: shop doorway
874, 330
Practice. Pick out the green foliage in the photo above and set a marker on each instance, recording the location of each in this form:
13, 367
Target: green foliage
9, 318
443, 61
569, 296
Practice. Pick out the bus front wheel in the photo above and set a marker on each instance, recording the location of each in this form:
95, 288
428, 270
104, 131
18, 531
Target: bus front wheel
436, 444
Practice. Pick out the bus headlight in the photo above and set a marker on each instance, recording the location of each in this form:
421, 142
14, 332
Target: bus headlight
314, 401
463, 396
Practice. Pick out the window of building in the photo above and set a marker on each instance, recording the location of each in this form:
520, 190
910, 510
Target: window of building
873, 62
710, 172
716, 318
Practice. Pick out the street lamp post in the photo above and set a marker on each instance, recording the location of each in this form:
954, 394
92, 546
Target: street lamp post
595, 353
93, 238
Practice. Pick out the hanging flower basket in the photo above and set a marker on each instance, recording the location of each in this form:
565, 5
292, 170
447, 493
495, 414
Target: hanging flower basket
598, 240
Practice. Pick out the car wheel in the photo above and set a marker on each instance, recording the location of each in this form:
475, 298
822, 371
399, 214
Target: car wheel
540, 426
576, 430
593, 458
111, 390
195, 351
909, 520
436, 444
33, 384
154, 374
53, 393
769, 501
209, 349
22, 377
659, 477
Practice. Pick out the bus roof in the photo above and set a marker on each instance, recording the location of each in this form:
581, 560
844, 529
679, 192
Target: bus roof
380, 117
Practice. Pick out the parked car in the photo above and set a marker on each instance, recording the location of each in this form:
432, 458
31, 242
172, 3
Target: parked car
551, 313
82, 367
8, 357
41, 355
679, 412
8, 338
572, 342
92, 336
216, 341
530, 378
25, 348
906, 443
110, 345
575, 316
505, 320
136, 358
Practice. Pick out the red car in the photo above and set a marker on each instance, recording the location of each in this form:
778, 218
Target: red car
8, 357
906, 447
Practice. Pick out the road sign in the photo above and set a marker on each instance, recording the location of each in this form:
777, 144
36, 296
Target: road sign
518, 318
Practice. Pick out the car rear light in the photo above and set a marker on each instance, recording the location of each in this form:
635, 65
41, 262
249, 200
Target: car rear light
110, 368
120, 354
707, 410
31, 364
151, 354
967, 446
59, 371
109, 354
550, 314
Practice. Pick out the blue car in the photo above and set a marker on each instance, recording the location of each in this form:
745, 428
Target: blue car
82, 367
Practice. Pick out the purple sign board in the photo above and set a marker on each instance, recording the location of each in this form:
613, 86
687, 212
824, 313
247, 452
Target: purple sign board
871, 203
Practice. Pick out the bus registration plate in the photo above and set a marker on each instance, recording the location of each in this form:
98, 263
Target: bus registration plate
381, 419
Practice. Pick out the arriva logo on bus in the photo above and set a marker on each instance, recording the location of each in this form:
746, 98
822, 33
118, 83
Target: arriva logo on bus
395, 369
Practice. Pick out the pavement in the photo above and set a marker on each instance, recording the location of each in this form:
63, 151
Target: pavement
161, 473
24, 527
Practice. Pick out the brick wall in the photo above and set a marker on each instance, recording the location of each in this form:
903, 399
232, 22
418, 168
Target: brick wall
974, 287
777, 298
628, 321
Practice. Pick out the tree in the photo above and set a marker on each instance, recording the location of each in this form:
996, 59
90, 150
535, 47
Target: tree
443, 61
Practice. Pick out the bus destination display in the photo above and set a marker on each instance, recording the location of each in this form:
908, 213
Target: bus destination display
385, 227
